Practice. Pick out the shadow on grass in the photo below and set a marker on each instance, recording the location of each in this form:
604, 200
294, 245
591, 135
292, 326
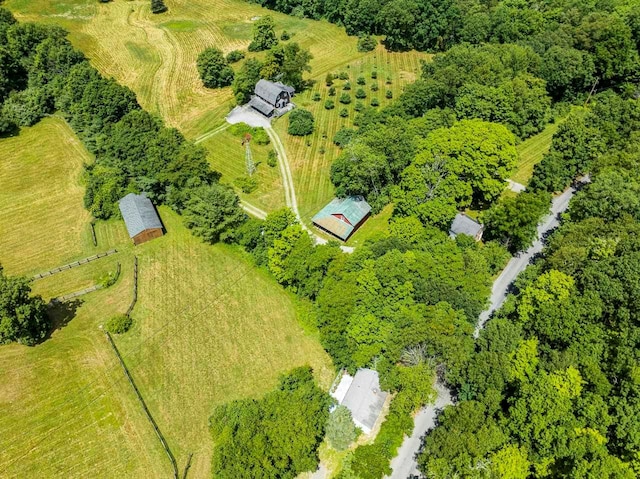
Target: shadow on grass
60, 314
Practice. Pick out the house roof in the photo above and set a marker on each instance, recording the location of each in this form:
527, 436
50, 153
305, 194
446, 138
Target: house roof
138, 213
342, 215
269, 91
365, 399
462, 224
261, 105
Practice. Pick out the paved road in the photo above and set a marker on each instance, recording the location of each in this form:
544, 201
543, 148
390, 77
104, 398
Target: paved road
404, 464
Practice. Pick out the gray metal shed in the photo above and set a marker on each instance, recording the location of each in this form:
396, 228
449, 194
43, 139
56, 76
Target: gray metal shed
140, 217
462, 224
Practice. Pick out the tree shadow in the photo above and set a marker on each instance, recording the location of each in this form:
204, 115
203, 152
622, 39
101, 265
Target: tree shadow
60, 314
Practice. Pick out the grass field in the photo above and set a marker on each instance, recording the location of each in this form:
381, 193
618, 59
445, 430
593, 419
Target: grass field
531, 152
209, 327
35, 176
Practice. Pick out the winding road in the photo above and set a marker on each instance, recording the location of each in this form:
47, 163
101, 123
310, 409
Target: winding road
404, 464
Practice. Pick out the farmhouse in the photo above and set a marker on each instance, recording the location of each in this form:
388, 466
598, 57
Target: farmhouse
342, 216
270, 96
140, 217
361, 394
462, 224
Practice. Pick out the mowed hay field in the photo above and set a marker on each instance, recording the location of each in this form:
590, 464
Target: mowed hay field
209, 327
42, 221
531, 151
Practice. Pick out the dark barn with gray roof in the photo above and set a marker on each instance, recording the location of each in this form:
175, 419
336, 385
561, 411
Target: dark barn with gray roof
270, 96
140, 217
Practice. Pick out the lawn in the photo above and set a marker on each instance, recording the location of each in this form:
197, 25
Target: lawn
531, 152
43, 222
209, 327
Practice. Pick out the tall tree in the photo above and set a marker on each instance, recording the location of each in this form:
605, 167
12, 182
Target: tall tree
22, 316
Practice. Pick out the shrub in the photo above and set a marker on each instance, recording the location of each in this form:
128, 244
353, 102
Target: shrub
329, 105
374, 74
343, 137
374, 87
361, 80
345, 98
272, 158
358, 106
258, 134
158, 6
343, 76
317, 96
344, 113
347, 86
388, 81
389, 94
322, 150
360, 93
247, 184
301, 123
366, 43
341, 431
329, 79
332, 91
214, 69
235, 56
375, 102
118, 324
285, 36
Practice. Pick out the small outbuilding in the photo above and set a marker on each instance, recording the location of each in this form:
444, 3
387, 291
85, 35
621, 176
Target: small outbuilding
462, 224
140, 217
342, 216
270, 96
361, 394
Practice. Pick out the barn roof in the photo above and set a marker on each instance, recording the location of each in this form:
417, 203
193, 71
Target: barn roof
261, 105
365, 399
138, 213
342, 215
462, 224
269, 91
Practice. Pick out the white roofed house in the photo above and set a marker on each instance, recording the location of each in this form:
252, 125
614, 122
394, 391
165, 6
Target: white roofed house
269, 97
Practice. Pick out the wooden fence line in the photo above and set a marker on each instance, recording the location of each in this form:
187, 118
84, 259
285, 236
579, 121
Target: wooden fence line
75, 264
66, 297
135, 286
144, 407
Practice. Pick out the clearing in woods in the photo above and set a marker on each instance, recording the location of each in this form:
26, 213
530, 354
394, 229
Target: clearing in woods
532, 150
155, 55
208, 327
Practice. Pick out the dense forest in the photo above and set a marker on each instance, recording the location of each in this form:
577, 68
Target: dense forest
552, 386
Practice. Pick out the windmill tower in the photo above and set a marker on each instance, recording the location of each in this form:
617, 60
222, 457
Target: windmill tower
248, 156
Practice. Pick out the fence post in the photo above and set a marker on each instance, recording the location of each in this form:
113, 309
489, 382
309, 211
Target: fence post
135, 286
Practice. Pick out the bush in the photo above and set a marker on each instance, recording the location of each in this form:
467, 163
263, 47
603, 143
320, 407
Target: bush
332, 91
343, 137
375, 102
258, 134
329, 105
358, 106
285, 36
389, 94
374, 74
118, 324
272, 158
328, 79
158, 6
345, 98
344, 113
343, 76
361, 80
374, 87
366, 43
388, 81
360, 93
301, 123
347, 86
316, 96
341, 431
235, 56
247, 184
214, 69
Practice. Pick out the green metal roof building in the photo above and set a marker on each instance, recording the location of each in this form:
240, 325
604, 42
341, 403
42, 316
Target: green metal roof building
343, 216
